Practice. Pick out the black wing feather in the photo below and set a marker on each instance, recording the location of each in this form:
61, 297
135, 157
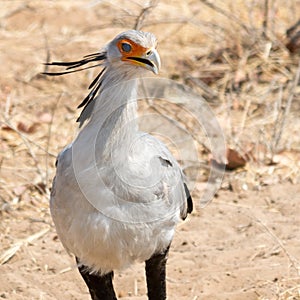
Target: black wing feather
189, 199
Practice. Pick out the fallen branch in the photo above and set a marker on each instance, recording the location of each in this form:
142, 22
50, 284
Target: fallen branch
8, 254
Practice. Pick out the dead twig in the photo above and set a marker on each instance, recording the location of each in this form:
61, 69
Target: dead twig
286, 112
266, 18
210, 93
293, 38
48, 54
8, 254
165, 113
8, 124
143, 14
226, 14
293, 29
244, 119
13, 12
27, 144
294, 262
49, 136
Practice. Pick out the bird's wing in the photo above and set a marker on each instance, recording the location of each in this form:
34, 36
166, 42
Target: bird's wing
149, 178
165, 174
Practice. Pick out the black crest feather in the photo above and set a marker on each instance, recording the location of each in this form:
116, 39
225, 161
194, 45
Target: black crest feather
74, 66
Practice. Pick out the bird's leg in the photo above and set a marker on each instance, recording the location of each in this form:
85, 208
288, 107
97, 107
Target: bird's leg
100, 286
156, 276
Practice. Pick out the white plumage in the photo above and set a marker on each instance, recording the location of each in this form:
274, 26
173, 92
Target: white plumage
118, 192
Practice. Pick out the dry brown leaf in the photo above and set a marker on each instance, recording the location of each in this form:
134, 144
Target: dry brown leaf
234, 160
27, 128
6, 127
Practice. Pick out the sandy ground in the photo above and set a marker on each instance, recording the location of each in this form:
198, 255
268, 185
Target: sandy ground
243, 245
239, 247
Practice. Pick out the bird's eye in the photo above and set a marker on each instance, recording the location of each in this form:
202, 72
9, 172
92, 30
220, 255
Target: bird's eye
126, 47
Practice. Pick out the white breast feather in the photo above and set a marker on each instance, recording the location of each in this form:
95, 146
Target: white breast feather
101, 237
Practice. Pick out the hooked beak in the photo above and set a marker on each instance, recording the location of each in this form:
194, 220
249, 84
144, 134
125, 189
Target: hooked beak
150, 60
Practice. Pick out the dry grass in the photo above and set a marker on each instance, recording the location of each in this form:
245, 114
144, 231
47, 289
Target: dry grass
231, 53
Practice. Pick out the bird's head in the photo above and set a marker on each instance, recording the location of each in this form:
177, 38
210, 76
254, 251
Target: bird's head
126, 54
134, 48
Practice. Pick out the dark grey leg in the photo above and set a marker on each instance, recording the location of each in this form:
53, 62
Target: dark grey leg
100, 286
156, 276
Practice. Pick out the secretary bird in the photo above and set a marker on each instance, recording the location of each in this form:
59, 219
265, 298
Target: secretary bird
118, 193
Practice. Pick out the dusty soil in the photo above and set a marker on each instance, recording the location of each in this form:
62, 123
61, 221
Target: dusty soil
239, 247
243, 245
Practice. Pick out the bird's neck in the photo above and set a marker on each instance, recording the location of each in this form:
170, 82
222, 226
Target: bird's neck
115, 114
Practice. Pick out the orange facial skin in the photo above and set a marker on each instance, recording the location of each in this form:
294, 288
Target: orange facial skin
135, 51
139, 56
